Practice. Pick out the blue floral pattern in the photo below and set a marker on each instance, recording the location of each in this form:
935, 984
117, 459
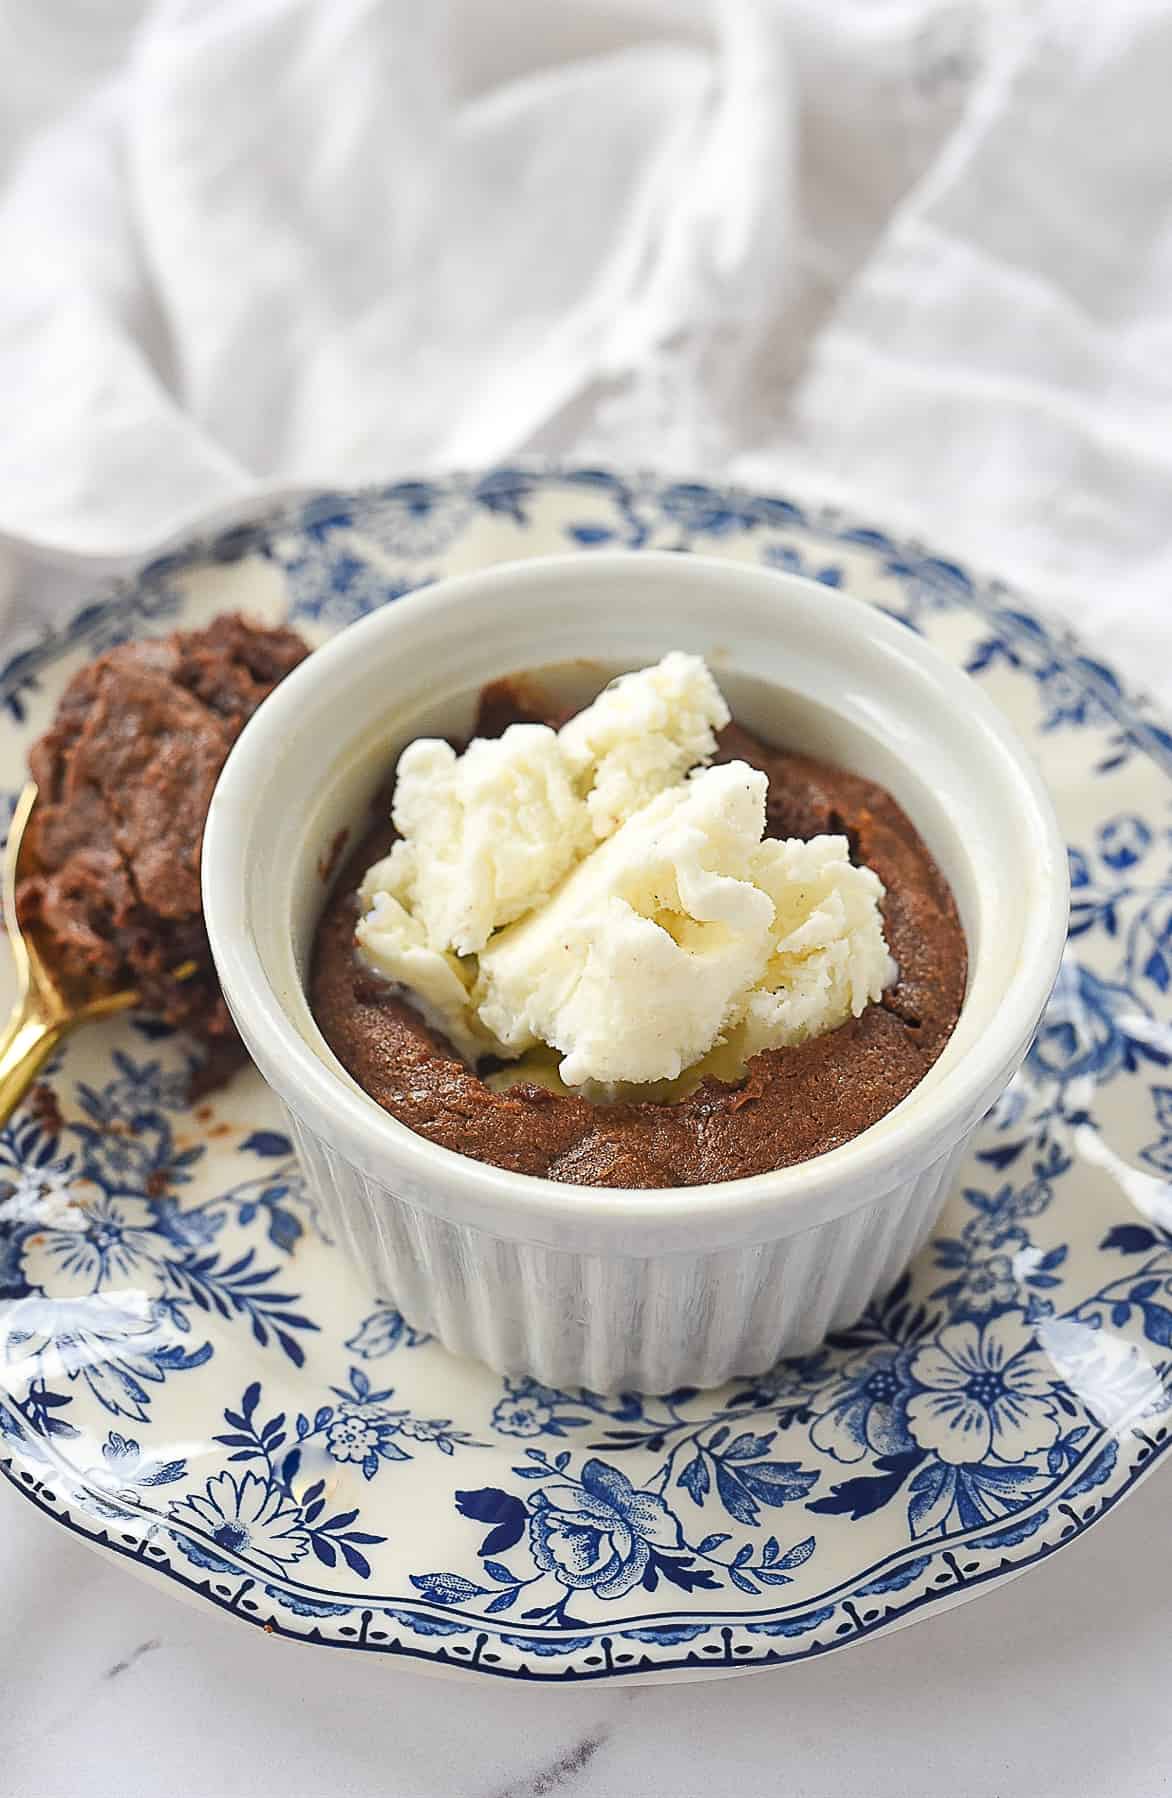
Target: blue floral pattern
192, 1376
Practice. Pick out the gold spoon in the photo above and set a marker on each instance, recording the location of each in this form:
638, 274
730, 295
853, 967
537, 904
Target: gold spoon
49, 1004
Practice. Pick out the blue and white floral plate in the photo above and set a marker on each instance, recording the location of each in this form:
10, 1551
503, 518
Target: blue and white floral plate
192, 1379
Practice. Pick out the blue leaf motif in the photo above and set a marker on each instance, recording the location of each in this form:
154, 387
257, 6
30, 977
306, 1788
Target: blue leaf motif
165, 1474
488, 1504
733, 1496
446, 1588
748, 1447
268, 1142
1003, 1155
927, 1489
382, 1332
1157, 1323
284, 1228
694, 1478
356, 1561
683, 1573
777, 1482
859, 1497
1129, 1239
799, 1554
504, 1511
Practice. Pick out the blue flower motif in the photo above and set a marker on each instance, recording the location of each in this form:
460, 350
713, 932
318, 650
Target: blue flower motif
124, 1472
987, 1286
352, 1437
527, 1408
980, 1395
123, 1457
94, 1240
866, 1414
433, 1429
384, 1330
115, 1342
521, 1414
247, 1516
598, 1534
1124, 840
994, 1230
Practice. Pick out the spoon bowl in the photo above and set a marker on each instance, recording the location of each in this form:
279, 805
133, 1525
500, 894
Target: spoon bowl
49, 1003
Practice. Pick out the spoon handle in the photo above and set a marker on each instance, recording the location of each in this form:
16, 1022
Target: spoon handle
27, 1041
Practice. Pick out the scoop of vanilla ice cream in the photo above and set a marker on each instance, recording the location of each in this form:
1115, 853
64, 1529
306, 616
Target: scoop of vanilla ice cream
829, 958
623, 914
487, 835
645, 952
641, 735
392, 942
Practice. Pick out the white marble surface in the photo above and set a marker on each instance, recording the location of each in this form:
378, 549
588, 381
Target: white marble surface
1054, 1684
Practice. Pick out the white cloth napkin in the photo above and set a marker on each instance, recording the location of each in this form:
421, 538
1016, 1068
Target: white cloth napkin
914, 256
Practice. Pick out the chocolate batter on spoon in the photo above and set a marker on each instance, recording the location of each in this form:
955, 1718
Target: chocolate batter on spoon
793, 1103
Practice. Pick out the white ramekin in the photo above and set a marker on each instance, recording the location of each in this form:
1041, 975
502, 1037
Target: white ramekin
597, 1287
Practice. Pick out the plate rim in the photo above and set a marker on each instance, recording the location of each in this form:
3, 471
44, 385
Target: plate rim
168, 1574
1127, 708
